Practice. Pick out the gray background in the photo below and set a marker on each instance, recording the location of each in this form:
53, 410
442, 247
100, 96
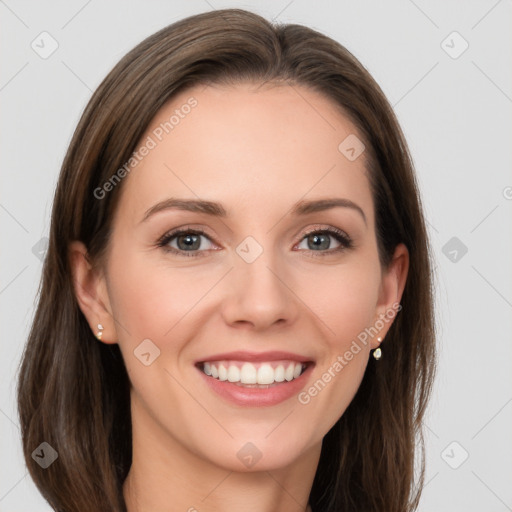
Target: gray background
455, 111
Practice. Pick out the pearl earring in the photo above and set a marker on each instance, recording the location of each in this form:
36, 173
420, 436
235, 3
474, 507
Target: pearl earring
377, 353
100, 332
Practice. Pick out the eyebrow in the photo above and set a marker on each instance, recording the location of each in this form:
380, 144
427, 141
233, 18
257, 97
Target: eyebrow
217, 210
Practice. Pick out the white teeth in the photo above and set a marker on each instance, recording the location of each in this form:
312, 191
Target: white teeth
288, 374
233, 374
265, 374
279, 373
223, 373
249, 373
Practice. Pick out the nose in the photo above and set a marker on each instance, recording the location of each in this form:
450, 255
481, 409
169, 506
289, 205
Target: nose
259, 295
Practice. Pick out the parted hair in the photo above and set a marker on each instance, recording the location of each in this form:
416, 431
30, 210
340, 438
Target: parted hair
73, 392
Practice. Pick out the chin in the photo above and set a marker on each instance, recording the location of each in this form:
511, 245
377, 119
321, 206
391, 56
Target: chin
253, 454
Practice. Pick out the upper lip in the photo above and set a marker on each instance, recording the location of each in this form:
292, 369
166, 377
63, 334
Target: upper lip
242, 355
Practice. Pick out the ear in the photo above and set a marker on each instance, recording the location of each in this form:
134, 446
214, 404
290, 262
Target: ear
91, 292
392, 286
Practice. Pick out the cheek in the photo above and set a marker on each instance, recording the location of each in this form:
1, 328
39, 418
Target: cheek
344, 298
149, 299
346, 307
156, 301
150, 296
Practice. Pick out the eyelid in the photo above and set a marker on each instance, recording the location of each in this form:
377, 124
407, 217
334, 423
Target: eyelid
325, 228
346, 242
164, 240
183, 229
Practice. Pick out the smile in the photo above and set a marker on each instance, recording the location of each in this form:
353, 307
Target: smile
255, 379
255, 374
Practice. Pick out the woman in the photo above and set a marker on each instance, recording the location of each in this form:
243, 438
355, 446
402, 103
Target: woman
236, 306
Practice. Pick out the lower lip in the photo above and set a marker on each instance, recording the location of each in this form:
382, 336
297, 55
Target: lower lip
258, 397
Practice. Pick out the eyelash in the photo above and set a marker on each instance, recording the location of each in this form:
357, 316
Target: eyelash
340, 236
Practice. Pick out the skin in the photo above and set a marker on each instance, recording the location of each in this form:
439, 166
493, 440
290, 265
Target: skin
256, 150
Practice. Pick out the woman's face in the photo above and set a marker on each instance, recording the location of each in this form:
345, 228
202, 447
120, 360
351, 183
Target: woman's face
263, 285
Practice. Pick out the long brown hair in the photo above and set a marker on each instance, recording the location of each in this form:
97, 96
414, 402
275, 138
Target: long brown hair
73, 392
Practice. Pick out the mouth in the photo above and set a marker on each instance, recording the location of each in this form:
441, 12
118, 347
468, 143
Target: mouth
255, 375
255, 379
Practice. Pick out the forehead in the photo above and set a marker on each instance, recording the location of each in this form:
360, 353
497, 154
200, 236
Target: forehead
247, 144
